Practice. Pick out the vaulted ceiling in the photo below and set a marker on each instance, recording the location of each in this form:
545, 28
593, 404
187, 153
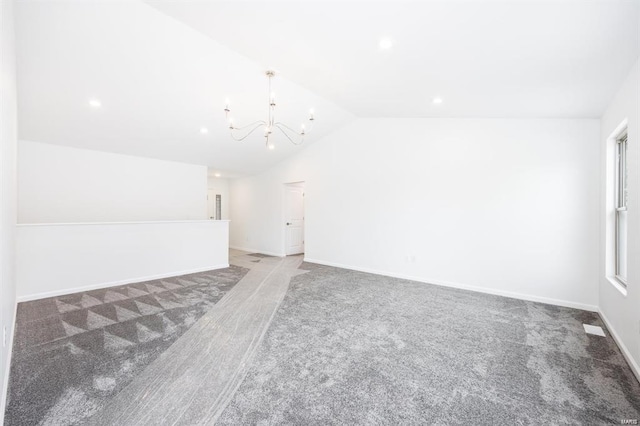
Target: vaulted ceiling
162, 69
484, 58
159, 83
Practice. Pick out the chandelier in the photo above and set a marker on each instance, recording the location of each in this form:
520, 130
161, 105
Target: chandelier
240, 133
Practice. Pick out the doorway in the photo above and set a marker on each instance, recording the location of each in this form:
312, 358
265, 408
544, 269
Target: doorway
214, 205
294, 218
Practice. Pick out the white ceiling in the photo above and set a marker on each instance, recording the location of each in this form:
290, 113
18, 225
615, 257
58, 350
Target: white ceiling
163, 70
159, 82
485, 58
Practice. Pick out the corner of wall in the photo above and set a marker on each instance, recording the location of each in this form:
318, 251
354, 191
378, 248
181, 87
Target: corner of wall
8, 202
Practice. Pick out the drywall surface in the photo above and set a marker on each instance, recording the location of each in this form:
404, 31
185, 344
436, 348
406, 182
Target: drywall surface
58, 184
498, 205
62, 259
622, 311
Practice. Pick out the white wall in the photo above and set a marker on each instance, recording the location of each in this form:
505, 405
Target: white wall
59, 184
8, 186
220, 186
622, 312
503, 206
61, 259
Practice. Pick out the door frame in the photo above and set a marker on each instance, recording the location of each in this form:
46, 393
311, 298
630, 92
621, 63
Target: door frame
283, 214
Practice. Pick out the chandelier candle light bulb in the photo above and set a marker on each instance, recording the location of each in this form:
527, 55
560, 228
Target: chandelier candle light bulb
269, 124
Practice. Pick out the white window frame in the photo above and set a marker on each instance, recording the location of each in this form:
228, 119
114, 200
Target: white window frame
620, 204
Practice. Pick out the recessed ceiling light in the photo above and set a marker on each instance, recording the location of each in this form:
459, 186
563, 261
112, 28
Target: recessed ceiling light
216, 174
204, 130
95, 103
437, 101
385, 43
272, 146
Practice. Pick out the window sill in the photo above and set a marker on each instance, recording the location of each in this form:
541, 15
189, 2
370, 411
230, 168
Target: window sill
614, 281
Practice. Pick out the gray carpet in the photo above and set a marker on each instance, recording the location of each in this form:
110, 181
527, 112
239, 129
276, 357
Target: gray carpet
353, 348
73, 353
343, 348
192, 381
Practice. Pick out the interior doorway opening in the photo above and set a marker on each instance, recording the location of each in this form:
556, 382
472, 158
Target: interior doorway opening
294, 218
214, 204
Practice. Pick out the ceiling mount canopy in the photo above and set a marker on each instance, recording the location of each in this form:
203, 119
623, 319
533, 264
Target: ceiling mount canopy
240, 133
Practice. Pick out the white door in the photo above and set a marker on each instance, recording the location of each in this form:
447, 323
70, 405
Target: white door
294, 218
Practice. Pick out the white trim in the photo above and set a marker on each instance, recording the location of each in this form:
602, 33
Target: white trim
610, 204
615, 282
251, 250
5, 384
625, 352
620, 129
521, 296
122, 223
116, 283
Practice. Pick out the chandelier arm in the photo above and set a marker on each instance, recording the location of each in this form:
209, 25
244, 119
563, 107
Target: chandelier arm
306, 130
259, 122
286, 127
277, 125
298, 133
247, 135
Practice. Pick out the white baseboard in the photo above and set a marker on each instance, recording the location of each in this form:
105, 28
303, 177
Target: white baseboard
625, 352
5, 382
513, 295
44, 295
251, 250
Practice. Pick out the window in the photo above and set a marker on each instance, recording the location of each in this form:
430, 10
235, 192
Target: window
620, 180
